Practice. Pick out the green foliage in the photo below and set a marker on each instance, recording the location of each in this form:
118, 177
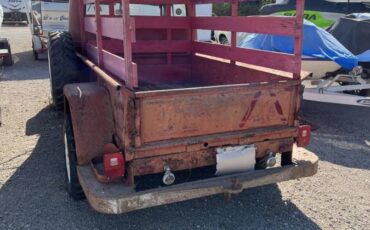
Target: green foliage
245, 8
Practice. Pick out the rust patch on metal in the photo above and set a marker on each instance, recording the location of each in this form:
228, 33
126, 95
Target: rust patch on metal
176, 162
92, 119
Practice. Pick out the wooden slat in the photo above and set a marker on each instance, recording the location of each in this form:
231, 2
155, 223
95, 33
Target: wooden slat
218, 1
88, 1
90, 25
298, 39
159, 1
278, 25
115, 64
279, 61
92, 52
99, 37
131, 72
170, 74
81, 21
112, 27
157, 22
161, 46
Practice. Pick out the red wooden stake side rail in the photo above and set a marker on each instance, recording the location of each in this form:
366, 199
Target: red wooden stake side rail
124, 27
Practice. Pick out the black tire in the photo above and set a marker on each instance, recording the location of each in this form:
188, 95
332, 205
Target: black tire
64, 66
8, 60
286, 158
72, 183
35, 54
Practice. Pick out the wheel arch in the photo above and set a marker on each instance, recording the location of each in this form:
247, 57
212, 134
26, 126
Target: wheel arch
92, 119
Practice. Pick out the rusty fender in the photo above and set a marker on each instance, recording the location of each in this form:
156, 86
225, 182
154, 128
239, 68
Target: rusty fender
92, 119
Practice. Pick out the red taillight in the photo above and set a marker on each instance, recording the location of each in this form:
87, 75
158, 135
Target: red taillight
304, 135
114, 165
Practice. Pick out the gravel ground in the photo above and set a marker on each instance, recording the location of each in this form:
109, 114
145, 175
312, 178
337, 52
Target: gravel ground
32, 194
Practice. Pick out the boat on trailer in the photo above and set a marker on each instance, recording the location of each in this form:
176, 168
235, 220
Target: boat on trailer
336, 76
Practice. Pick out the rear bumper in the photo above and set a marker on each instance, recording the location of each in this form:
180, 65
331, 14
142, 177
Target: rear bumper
117, 198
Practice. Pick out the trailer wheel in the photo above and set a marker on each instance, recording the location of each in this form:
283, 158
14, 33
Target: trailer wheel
261, 163
35, 54
64, 66
223, 40
73, 185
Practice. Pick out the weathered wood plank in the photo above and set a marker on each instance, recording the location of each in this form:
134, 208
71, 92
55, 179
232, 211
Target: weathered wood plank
278, 25
255, 57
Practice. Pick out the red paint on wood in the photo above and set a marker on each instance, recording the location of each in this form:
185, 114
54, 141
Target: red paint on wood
278, 25
90, 25
99, 33
298, 34
161, 46
111, 62
217, 1
157, 22
147, 38
112, 27
278, 108
132, 81
268, 59
159, 1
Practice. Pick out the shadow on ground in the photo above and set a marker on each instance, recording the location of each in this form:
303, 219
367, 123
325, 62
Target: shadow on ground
26, 68
14, 25
35, 197
343, 134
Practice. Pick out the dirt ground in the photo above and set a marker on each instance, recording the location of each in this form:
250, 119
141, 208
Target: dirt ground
32, 192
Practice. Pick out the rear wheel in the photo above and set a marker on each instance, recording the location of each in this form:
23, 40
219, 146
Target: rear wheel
73, 185
8, 60
64, 66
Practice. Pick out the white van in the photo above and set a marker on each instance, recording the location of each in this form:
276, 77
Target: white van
15, 11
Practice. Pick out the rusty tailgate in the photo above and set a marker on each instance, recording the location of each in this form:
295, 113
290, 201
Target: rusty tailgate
170, 114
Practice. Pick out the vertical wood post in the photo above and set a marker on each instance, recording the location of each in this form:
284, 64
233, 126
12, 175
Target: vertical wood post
127, 46
99, 37
193, 32
298, 37
169, 35
81, 7
234, 13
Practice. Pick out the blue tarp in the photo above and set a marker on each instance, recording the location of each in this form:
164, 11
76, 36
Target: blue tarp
317, 43
364, 57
